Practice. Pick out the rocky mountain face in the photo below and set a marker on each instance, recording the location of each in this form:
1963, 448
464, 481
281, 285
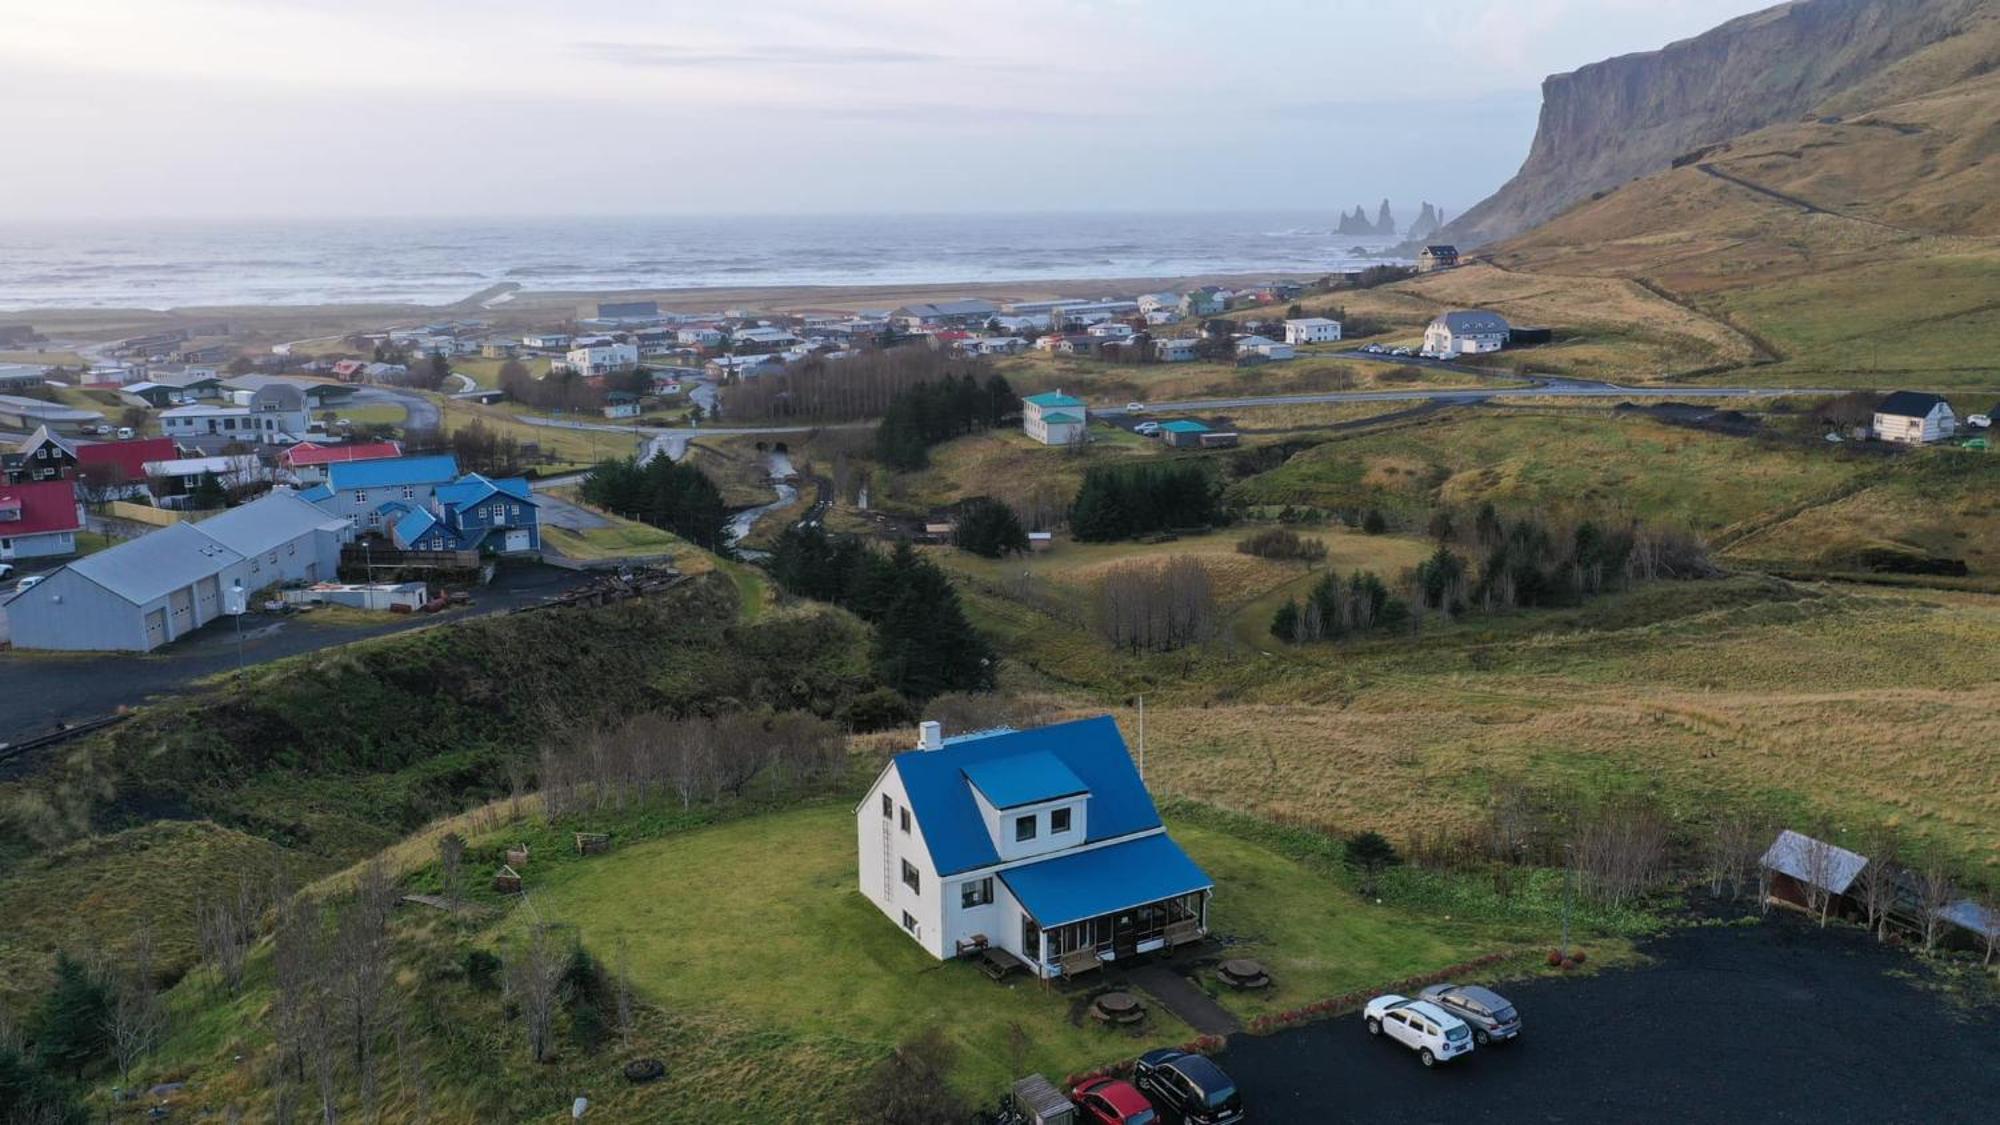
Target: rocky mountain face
1614, 121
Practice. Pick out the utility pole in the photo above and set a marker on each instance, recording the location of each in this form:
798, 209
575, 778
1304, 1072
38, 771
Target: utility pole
1142, 738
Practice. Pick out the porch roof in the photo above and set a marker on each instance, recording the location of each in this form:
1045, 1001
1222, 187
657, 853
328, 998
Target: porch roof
1082, 885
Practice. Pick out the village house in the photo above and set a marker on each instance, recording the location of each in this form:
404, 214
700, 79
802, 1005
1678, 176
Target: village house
994, 345
1431, 259
276, 415
1312, 330
1112, 330
43, 455
39, 519
1179, 349
743, 366
699, 336
621, 312
1465, 332
967, 313
763, 338
145, 592
1038, 848
173, 480
1160, 302
546, 341
1263, 348
1914, 418
28, 414
116, 470
1209, 300
1800, 871
1054, 418
21, 377
473, 513
357, 491
621, 404
596, 358
308, 463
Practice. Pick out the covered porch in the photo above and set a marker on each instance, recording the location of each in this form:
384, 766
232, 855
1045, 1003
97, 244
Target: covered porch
1109, 904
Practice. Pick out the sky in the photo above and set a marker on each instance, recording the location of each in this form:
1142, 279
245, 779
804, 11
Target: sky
127, 109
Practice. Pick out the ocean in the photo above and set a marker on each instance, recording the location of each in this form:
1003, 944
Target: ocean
181, 264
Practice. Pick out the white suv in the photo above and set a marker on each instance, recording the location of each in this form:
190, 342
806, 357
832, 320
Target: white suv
1433, 1033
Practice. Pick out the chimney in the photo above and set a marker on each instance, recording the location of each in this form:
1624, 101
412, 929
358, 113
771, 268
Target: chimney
930, 735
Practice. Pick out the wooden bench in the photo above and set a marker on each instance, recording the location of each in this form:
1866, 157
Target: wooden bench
1183, 932
1079, 961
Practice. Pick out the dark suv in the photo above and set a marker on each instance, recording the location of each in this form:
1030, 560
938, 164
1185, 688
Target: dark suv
1489, 1015
1190, 1088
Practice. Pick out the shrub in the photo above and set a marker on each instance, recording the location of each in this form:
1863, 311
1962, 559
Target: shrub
482, 969
1281, 543
1555, 958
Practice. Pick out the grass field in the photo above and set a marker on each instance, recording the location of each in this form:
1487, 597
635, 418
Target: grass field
1110, 384
563, 450
1580, 461
1009, 465
623, 539
795, 947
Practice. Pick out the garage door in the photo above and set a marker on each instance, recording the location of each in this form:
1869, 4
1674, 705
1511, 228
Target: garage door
517, 540
207, 598
180, 606
156, 628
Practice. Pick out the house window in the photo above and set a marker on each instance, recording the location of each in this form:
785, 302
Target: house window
909, 922
888, 806
360, 496
1024, 828
910, 879
1058, 821
906, 820
409, 492
976, 892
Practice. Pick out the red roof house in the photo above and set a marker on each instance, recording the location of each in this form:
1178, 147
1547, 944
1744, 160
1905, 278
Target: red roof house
39, 518
128, 458
306, 453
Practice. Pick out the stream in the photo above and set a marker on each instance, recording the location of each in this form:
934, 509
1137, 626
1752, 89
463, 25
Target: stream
778, 470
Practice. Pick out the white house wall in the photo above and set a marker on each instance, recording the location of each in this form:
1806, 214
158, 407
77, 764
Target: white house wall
881, 867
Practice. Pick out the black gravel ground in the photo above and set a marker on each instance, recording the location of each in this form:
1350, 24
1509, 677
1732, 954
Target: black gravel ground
1778, 1021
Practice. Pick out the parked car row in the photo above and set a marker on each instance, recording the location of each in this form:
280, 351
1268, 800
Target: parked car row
1377, 349
1167, 1086
1445, 1021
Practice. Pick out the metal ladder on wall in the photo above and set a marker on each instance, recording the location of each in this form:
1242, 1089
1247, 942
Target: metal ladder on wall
888, 862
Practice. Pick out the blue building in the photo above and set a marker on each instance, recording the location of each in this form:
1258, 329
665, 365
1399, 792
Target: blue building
473, 513
1040, 847
365, 492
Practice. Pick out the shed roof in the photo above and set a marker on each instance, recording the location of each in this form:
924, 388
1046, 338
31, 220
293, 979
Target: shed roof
1090, 749
1463, 322
1183, 426
1079, 885
1792, 854
130, 457
1909, 404
268, 522
1053, 398
1023, 779
149, 567
38, 507
435, 468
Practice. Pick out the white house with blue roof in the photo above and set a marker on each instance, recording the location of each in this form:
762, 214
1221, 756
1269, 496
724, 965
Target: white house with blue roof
474, 513
366, 493
1042, 845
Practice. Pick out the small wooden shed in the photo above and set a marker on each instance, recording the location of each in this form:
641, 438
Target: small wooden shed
1038, 1097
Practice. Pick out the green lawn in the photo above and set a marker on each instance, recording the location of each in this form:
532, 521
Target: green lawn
621, 540
713, 928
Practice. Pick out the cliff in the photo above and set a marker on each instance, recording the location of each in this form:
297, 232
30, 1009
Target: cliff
1612, 122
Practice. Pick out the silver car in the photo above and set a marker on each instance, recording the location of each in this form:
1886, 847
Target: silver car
1490, 1016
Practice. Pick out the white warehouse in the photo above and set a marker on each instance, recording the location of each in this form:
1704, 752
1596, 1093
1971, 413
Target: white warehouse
151, 590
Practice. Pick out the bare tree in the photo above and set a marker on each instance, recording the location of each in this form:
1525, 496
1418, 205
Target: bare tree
1621, 852
451, 866
361, 956
136, 1018
1934, 894
1989, 925
1157, 608
1817, 864
1875, 886
534, 981
1731, 851
225, 926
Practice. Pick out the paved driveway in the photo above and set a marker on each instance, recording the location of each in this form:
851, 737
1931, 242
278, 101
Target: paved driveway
1774, 1022
39, 690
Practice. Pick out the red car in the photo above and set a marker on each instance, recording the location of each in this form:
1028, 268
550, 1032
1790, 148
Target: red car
1108, 1101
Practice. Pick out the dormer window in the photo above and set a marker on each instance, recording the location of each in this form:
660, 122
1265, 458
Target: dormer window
1024, 828
1058, 821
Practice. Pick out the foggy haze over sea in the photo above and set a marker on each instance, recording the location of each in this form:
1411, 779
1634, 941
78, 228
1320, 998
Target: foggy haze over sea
169, 264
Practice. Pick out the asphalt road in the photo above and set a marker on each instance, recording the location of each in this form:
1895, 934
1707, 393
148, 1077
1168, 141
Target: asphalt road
1519, 386
45, 689
420, 413
1773, 1022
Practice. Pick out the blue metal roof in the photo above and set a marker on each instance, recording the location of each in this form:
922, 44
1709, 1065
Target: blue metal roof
317, 493
1023, 779
412, 527
1081, 885
1184, 427
1090, 749
473, 488
1053, 398
435, 468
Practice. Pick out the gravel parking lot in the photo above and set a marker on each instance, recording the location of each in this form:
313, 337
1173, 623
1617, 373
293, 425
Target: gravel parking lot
1774, 1022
